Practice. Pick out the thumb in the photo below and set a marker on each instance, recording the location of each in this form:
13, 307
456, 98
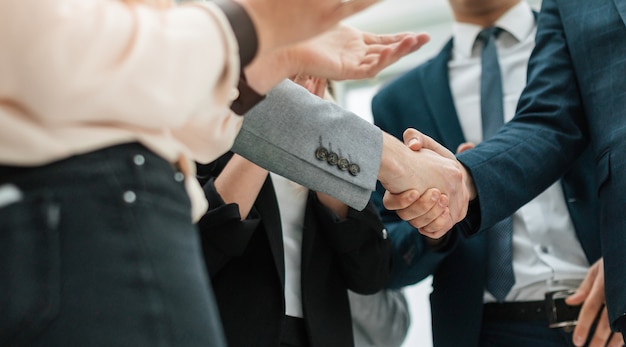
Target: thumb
415, 140
464, 147
583, 289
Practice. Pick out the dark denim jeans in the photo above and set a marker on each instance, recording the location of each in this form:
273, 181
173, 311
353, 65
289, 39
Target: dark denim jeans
101, 251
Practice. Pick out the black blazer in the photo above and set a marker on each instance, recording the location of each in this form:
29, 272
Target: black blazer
245, 261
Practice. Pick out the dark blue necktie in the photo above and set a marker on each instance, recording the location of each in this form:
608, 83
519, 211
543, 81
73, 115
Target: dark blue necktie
500, 277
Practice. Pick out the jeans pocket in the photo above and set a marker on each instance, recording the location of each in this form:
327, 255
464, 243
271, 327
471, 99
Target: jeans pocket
29, 269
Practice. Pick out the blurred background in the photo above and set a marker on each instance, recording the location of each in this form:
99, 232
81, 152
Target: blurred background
392, 16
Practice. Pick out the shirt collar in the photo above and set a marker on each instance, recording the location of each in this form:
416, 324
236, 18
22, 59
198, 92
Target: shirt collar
518, 21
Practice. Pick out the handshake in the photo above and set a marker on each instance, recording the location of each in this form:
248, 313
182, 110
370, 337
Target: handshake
426, 185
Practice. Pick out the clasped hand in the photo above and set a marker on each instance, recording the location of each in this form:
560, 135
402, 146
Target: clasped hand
446, 187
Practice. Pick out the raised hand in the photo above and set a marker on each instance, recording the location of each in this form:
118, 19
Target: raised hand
348, 53
281, 23
339, 54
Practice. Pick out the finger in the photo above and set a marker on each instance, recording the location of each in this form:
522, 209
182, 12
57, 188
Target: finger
376, 42
314, 85
379, 56
588, 313
373, 39
317, 86
384, 55
602, 334
394, 202
591, 306
425, 210
404, 43
585, 286
413, 137
409, 44
617, 340
439, 227
464, 147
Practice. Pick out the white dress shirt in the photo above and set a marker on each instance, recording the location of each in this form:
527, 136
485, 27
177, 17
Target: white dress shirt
546, 252
292, 199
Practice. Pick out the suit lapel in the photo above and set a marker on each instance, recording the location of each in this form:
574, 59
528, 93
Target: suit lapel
267, 206
621, 8
439, 97
309, 231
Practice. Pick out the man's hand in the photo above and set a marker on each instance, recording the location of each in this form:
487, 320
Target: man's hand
403, 169
415, 140
339, 54
428, 212
591, 294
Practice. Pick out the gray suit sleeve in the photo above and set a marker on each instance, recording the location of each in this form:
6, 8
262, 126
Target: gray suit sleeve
283, 132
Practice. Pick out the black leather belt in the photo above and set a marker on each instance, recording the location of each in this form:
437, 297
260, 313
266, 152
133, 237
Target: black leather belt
554, 311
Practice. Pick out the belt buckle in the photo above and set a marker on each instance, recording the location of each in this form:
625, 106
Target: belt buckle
556, 321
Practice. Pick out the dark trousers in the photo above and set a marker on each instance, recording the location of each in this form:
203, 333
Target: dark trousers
293, 333
522, 334
101, 251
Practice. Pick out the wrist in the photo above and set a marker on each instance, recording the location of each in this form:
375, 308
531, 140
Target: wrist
269, 69
337, 207
469, 183
441, 244
390, 171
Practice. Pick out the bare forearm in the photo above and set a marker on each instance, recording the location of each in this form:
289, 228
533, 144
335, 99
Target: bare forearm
391, 171
240, 182
268, 70
338, 207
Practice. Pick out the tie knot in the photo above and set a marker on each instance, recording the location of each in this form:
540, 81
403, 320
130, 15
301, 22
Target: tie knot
487, 33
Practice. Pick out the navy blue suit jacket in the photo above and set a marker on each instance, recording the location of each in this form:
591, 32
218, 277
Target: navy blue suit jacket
576, 95
422, 99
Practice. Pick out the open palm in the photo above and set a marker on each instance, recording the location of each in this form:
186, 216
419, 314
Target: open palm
348, 53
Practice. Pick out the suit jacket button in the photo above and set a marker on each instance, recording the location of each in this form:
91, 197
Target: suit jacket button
321, 153
343, 164
332, 158
354, 169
